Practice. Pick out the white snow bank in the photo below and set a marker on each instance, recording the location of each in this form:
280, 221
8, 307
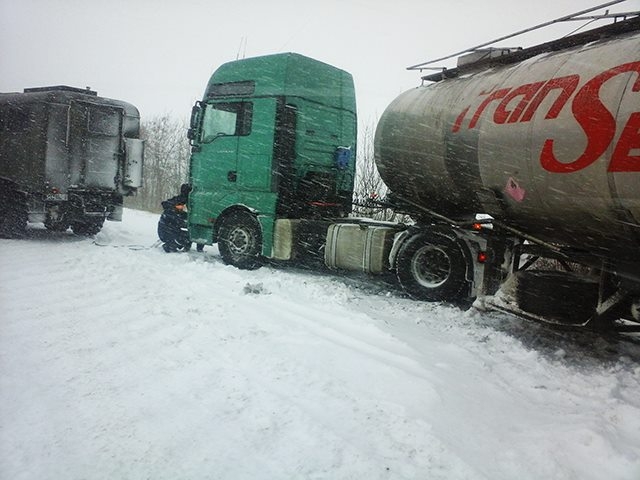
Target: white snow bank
123, 362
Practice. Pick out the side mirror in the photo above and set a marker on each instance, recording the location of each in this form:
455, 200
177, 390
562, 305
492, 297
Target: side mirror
195, 119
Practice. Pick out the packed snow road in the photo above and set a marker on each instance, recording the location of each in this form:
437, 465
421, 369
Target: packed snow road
129, 363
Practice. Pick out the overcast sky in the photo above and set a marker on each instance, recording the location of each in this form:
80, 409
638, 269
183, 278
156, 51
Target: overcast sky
159, 54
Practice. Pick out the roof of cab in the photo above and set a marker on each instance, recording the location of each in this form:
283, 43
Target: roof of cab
291, 75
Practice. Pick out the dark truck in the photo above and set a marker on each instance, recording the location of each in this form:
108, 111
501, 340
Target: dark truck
67, 158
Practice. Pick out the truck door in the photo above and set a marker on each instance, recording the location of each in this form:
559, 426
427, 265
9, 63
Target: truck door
214, 158
94, 144
232, 155
255, 153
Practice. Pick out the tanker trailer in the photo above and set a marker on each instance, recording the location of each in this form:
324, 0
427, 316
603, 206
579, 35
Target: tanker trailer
67, 158
546, 141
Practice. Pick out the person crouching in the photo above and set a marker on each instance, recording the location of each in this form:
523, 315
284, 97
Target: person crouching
172, 226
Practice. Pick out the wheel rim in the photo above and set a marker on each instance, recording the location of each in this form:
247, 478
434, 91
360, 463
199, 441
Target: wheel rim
240, 241
430, 266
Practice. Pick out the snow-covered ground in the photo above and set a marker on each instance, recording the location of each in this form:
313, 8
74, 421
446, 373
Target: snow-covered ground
123, 362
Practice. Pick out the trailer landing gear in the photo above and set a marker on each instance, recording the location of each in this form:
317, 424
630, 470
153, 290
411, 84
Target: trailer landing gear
569, 301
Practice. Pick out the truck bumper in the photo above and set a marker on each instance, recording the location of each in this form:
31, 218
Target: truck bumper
78, 204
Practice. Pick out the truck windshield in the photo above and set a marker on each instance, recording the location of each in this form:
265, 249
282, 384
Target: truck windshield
226, 119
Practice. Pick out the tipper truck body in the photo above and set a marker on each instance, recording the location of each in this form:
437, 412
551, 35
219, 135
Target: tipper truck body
67, 158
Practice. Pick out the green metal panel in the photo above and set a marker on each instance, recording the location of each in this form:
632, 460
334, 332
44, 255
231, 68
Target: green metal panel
233, 163
292, 75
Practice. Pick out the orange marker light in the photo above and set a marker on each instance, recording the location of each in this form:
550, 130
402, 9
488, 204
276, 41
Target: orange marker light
482, 257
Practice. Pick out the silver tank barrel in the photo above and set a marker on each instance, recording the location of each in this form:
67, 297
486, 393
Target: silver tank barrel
550, 145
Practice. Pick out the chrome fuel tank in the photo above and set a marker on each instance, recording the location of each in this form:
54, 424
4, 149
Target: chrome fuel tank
550, 146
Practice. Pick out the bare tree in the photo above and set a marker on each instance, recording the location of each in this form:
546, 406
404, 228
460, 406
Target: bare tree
369, 189
166, 162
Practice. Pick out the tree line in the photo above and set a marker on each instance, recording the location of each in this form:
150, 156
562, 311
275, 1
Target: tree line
166, 162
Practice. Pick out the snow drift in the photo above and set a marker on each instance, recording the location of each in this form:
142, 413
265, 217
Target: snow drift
120, 361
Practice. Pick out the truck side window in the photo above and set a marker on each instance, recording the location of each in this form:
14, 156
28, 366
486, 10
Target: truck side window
232, 119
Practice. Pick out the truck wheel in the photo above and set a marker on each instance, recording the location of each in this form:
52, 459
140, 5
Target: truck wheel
240, 241
56, 226
87, 228
431, 267
13, 220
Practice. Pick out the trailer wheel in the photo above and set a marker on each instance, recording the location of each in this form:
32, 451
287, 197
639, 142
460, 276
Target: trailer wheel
13, 219
87, 228
431, 267
240, 241
56, 226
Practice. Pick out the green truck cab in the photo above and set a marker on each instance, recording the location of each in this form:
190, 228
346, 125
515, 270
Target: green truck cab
273, 139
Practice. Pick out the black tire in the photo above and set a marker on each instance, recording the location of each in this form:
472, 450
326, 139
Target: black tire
13, 219
169, 247
87, 228
563, 296
240, 241
431, 266
56, 226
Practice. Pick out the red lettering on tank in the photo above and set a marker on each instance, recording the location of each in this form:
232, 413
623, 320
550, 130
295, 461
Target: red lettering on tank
496, 95
566, 85
502, 115
533, 95
622, 160
594, 118
459, 120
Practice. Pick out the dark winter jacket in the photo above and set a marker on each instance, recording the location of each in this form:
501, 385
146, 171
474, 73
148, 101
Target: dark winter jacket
172, 226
